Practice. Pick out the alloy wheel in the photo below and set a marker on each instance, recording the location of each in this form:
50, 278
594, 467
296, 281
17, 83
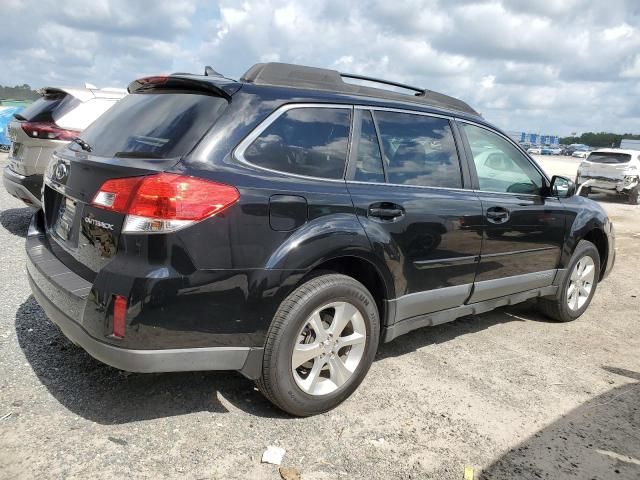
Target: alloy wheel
328, 348
581, 283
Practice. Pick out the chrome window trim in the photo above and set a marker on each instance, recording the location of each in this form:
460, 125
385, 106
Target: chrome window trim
410, 186
403, 110
239, 151
518, 147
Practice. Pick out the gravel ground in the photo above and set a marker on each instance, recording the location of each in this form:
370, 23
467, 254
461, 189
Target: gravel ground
508, 393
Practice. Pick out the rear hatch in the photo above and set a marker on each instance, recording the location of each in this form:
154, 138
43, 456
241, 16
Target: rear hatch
34, 131
607, 165
145, 133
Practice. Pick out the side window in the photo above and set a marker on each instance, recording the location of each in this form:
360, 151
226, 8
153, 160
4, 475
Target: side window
500, 166
419, 150
367, 154
305, 141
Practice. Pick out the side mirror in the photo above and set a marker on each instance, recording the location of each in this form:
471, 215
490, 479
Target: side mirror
562, 187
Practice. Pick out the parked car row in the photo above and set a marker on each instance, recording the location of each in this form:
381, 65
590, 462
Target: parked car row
284, 224
53, 120
545, 150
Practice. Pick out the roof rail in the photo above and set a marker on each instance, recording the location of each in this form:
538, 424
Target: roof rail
418, 90
298, 76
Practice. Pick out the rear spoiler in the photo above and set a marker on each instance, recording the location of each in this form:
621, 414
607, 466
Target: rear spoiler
84, 94
212, 85
80, 93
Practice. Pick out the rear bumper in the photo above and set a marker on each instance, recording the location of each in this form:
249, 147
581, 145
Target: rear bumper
25, 188
606, 184
64, 296
146, 361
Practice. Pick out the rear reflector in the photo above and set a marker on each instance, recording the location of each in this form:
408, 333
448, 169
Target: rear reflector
164, 202
119, 315
48, 131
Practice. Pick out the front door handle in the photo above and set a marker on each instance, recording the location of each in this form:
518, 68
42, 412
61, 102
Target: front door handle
386, 211
497, 215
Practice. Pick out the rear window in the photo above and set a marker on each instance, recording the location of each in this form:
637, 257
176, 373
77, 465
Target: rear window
153, 125
304, 141
49, 108
601, 157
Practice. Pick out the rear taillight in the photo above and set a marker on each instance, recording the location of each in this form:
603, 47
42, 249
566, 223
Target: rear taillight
164, 202
48, 131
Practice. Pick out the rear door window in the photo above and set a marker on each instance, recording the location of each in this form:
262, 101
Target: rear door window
153, 125
419, 150
304, 141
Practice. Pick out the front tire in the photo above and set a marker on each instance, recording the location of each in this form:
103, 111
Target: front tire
320, 345
577, 287
634, 195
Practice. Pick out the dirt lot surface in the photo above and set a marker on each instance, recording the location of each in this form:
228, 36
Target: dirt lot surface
508, 393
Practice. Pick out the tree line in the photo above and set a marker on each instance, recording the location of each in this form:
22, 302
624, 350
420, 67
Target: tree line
19, 92
602, 139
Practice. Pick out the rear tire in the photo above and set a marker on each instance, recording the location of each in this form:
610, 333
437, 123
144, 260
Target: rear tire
577, 287
634, 195
331, 325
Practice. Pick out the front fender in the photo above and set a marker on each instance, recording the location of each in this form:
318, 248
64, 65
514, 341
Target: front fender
585, 216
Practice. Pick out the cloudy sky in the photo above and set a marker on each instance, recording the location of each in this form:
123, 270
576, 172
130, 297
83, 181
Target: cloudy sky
552, 66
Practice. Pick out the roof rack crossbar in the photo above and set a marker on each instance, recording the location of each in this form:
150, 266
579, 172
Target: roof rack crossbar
419, 91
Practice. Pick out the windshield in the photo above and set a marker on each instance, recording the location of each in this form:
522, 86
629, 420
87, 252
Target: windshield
153, 125
605, 157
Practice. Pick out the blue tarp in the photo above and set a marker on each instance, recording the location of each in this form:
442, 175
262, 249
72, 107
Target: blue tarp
6, 115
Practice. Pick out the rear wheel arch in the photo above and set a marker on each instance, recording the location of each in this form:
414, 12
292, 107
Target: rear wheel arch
365, 272
599, 239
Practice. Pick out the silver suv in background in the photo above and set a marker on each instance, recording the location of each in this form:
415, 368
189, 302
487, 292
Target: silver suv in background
51, 121
612, 170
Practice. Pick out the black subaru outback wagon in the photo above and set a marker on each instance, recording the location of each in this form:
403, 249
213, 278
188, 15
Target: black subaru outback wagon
284, 224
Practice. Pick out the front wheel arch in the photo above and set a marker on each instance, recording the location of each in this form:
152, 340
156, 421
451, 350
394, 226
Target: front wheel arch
599, 239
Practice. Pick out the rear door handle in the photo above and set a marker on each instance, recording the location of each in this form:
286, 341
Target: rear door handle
497, 215
386, 213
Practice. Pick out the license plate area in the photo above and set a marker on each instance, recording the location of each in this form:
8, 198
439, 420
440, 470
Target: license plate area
64, 224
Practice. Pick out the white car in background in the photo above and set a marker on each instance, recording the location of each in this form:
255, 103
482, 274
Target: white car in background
612, 170
535, 150
53, 120
581, 153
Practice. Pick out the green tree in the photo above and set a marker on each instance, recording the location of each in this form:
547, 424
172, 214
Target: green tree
599, 140
19, 92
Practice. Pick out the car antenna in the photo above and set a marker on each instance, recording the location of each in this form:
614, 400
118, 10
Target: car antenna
210, 72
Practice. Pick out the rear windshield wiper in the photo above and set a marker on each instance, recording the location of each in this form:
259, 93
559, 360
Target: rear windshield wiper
83, 145
137, 154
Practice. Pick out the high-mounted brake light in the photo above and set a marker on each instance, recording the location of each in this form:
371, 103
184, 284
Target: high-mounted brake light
164, 202
157, 80
48, 131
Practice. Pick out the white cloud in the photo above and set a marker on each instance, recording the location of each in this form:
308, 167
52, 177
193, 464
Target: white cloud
549, 65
